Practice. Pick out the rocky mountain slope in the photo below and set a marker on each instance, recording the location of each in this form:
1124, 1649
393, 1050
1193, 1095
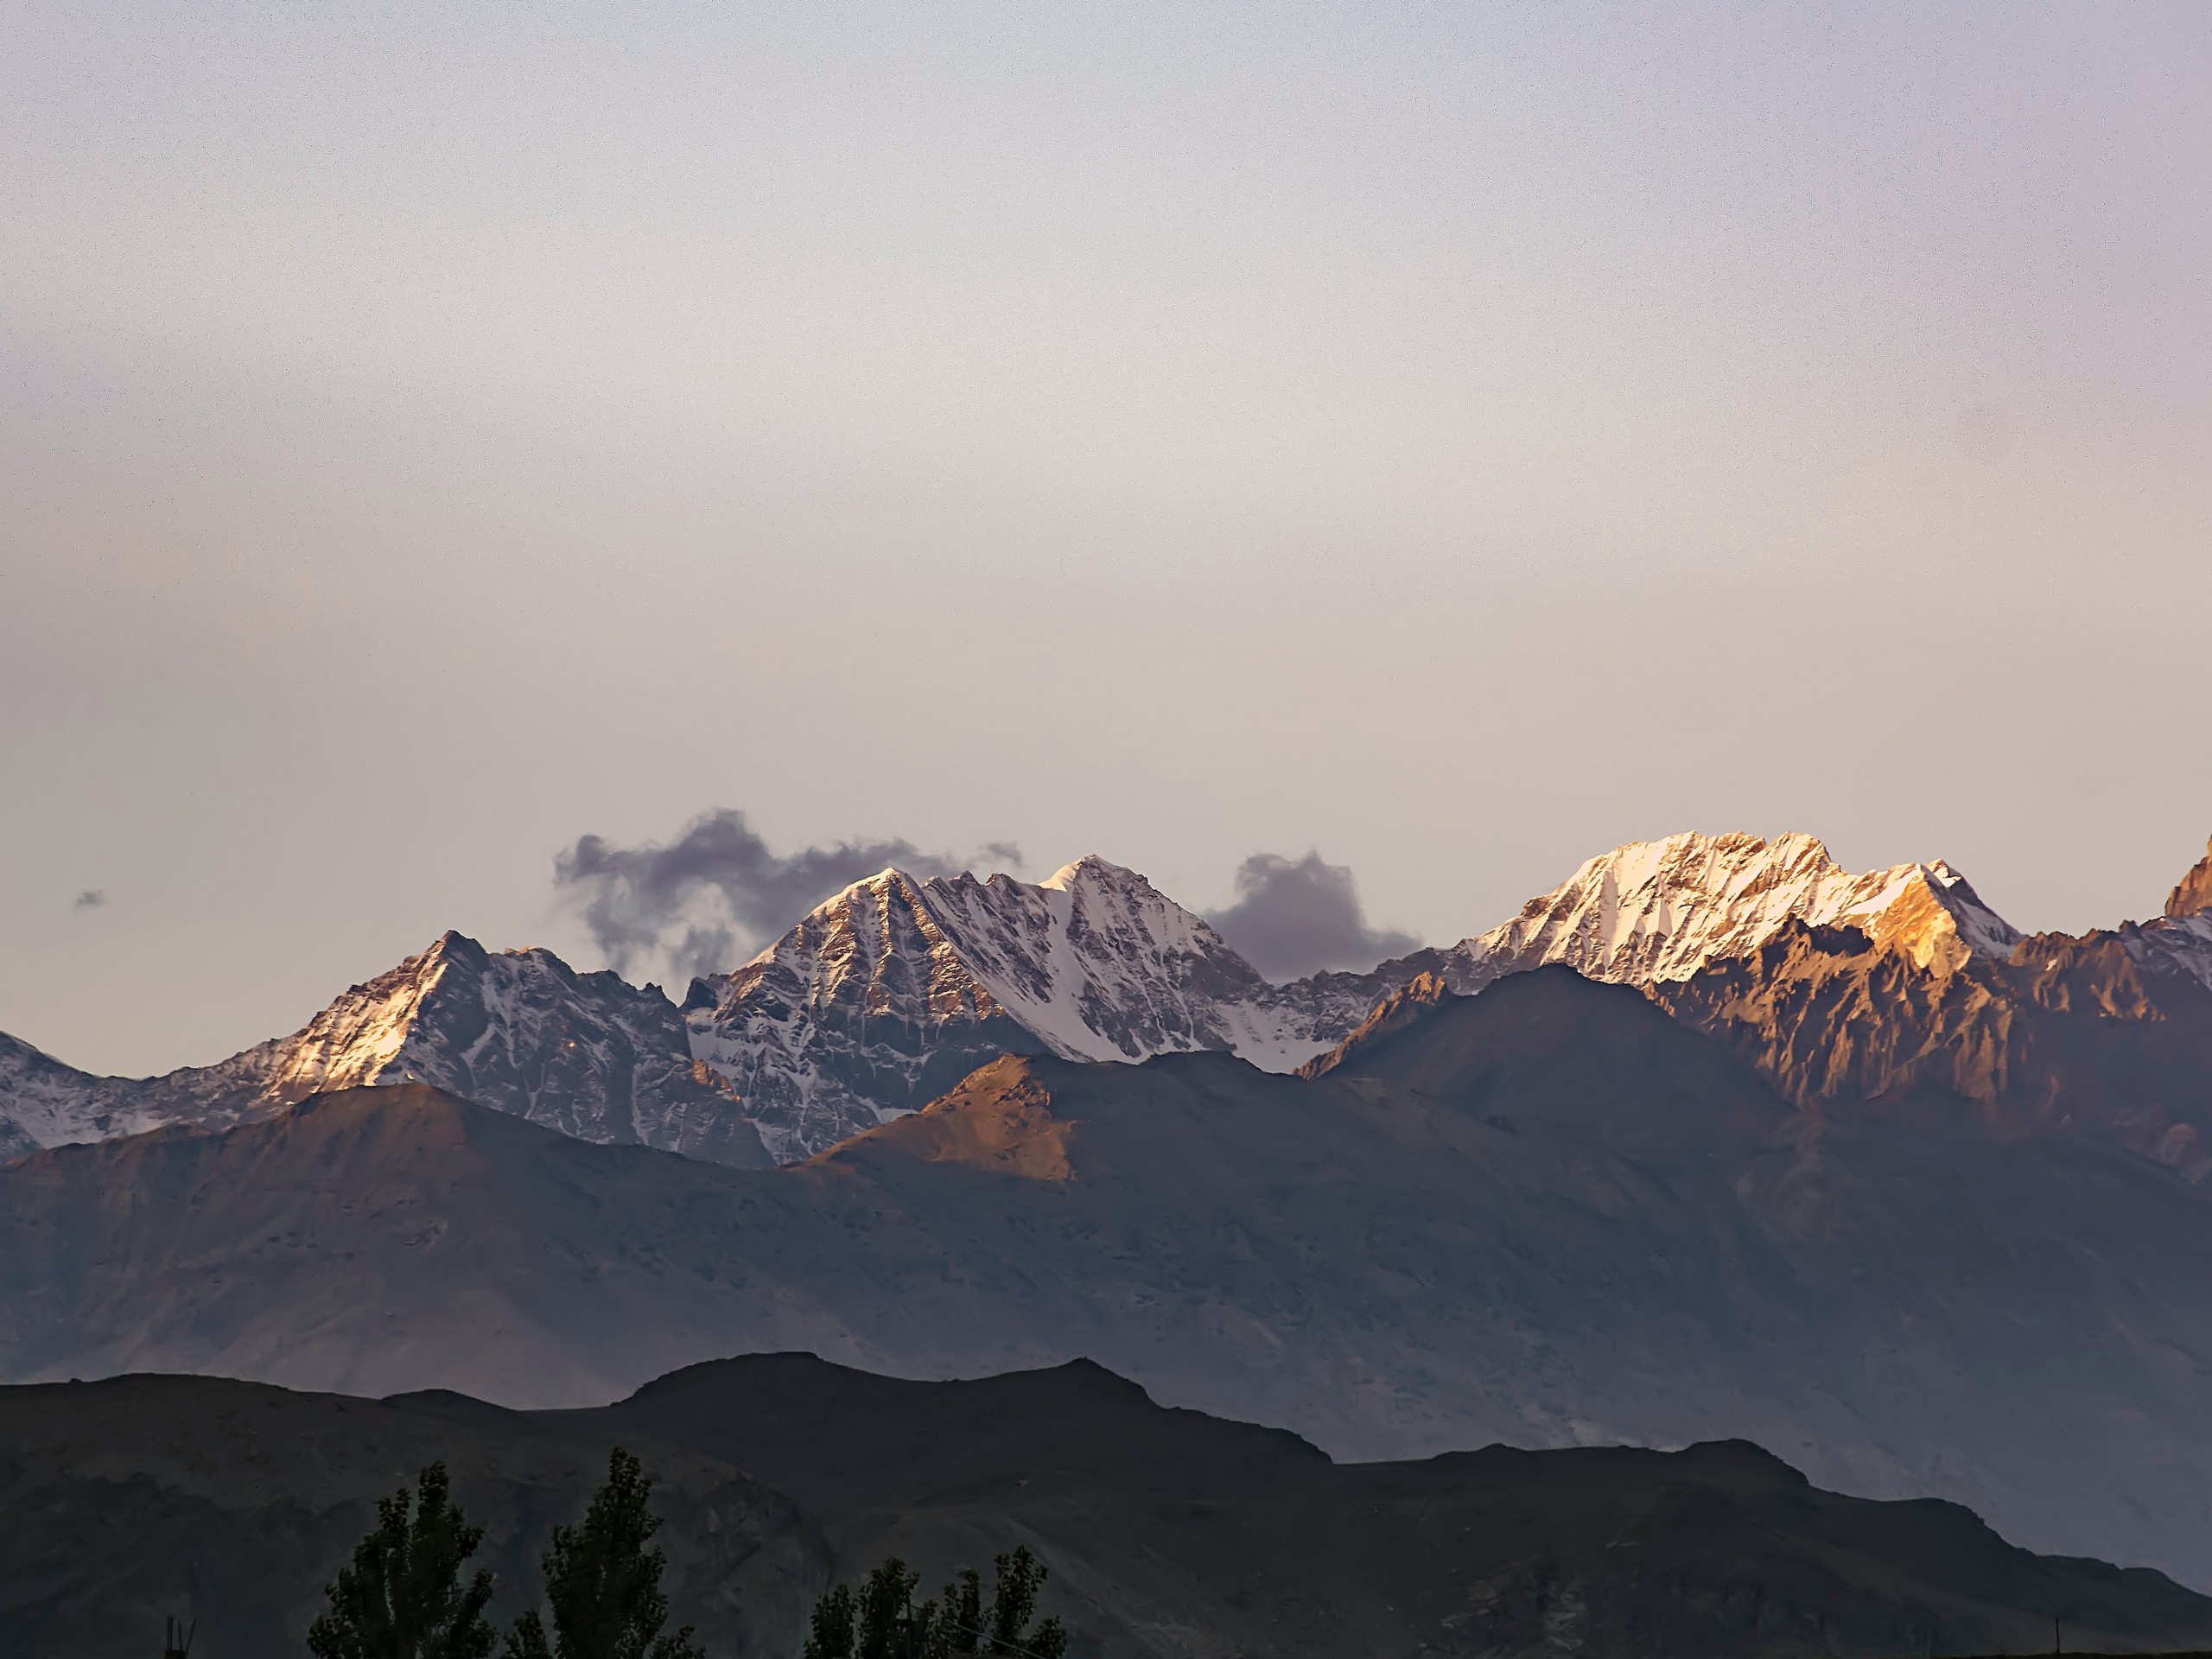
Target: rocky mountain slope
584, 1054
1847, 988
2097, 1033
1844, 989
1549, 1214
1167, 1534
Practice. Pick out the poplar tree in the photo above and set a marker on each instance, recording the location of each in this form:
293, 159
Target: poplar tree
402, 1596
602, 1581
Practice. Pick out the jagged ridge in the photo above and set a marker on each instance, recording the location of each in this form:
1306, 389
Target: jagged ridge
521, 1032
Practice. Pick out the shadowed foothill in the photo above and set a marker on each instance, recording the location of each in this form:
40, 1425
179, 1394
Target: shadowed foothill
1162, 1532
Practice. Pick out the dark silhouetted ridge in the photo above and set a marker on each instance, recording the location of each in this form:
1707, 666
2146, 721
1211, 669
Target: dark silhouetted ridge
1166, 1532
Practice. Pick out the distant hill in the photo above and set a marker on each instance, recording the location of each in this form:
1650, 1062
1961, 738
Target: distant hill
1167, 1533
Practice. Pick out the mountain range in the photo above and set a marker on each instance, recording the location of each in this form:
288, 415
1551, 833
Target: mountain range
1549, 1214
1843, 1164
1840, 986
1167, 1534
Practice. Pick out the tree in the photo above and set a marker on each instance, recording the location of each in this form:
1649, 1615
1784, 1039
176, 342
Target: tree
402, 1597
1013, 1600
883, 1622
831, 1623
602, 1581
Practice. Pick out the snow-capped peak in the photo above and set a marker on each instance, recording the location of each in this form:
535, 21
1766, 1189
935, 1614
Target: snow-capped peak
891, 991
1657, 911
520, 1031
365, 1032
1092, 870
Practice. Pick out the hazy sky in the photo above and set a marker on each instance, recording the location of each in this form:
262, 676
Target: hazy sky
1456, 439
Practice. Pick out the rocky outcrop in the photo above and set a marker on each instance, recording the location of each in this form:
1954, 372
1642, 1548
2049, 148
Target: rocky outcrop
2071, 1032
2192, 894
1406, 1007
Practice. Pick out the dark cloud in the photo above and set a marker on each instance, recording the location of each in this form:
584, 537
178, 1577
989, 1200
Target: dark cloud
1297, 916
90, 899
716, 891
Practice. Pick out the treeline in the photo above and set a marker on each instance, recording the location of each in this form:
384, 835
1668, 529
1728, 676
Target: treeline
408, 1593
882, 1621
404, 1595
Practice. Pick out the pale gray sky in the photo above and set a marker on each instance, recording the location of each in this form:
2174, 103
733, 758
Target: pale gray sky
1459, 439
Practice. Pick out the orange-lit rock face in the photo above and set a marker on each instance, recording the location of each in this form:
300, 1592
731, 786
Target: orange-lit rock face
2192, 895
1000, 1119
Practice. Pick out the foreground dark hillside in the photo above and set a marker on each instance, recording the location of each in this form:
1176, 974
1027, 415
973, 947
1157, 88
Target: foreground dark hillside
234, 1502
1545, 1216
1168, 1532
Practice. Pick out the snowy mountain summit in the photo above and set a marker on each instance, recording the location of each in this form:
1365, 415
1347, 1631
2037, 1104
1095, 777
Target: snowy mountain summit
1655, 912
891, 992
521, 1031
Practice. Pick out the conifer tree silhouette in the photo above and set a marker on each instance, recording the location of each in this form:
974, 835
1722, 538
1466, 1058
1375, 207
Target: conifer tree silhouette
602, 1581
883, 1622
402, 1596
